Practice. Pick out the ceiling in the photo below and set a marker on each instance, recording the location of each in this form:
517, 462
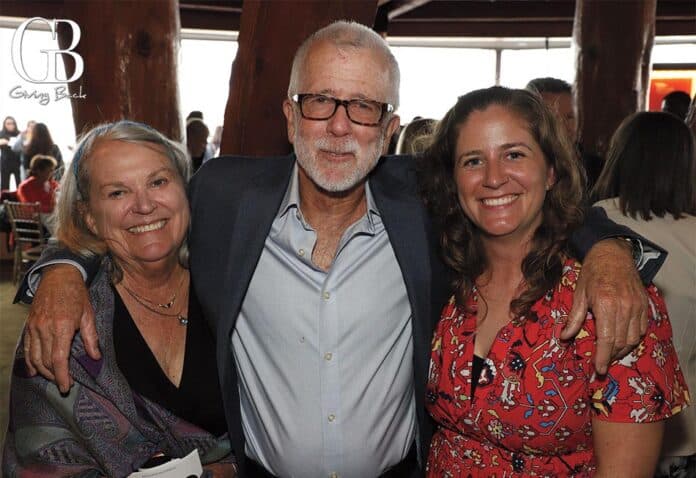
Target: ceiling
419, 18
458, 18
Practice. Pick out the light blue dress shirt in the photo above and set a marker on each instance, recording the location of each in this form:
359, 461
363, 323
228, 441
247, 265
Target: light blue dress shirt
325, 358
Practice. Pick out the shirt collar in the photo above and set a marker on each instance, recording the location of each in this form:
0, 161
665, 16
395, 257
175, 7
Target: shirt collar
291, 200
292, 193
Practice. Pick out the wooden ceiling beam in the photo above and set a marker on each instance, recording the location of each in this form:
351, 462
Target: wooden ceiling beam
449, 10
675, 27
211, 15
213, 6
205, 20
40, 8
485, 18
481, 29
678, 8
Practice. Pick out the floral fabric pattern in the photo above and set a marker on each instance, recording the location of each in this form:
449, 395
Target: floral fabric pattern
532, 410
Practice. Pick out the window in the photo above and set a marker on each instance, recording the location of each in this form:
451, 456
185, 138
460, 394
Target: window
432, 78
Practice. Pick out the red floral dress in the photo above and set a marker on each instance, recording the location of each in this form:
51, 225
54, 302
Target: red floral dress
532, 410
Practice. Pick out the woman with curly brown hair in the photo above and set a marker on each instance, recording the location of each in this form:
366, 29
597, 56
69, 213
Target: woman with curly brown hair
509, 396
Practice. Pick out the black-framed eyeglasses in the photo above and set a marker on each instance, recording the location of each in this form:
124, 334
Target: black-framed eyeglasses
321, 107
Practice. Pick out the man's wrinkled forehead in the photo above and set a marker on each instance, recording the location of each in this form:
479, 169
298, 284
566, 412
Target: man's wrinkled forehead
345, 51
346, 64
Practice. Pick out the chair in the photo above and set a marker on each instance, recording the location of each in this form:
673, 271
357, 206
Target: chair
29, 240
6, 195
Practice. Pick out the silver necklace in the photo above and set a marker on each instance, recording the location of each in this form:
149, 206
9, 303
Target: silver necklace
167, 305
183, 321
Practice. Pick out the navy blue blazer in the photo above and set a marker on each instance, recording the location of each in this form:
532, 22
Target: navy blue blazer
234, 201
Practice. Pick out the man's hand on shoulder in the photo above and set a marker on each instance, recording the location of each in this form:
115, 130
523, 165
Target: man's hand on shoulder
60, 308
609, 286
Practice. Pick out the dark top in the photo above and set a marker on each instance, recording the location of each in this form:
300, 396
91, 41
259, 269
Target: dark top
197, 162
9, 159
476, 369
198, 399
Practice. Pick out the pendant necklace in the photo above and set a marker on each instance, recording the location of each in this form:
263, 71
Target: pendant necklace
155, 307
166, 305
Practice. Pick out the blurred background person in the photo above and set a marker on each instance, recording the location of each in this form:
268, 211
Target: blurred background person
197, 133
649, 184
691, 117
677, 103
414, 136
216, 141
194, 114
39, 141
558, 96
9, 159
40, 186
24, 137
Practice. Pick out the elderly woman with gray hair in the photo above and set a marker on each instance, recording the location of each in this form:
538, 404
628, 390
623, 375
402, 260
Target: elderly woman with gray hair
154, 394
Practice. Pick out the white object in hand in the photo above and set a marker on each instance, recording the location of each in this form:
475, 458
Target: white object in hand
190, 465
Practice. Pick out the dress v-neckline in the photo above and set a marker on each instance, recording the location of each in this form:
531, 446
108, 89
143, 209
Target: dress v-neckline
149, 363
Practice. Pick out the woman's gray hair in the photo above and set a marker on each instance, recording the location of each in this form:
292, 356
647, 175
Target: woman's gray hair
71, 228
343, 33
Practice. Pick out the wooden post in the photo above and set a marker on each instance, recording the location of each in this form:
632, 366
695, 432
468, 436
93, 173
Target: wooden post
130, 53
270, 32
613, 41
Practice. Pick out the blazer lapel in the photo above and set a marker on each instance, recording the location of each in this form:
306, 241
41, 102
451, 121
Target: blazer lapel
408, 226
404, 218
258, 205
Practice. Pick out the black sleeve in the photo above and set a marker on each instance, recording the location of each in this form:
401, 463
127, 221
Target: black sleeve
598, 226
52, 255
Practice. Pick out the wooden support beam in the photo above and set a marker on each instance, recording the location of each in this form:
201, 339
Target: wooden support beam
269, 35
613, 64
130, 53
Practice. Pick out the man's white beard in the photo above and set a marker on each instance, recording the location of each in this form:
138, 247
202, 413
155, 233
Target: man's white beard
351, 172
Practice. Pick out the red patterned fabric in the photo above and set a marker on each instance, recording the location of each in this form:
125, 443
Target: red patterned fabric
532, 411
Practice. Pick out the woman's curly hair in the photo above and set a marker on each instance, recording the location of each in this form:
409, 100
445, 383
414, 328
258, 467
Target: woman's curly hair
562, 210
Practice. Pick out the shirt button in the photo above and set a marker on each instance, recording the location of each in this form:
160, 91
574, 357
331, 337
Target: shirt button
326, 296
328, 356
332, 417
301, 252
